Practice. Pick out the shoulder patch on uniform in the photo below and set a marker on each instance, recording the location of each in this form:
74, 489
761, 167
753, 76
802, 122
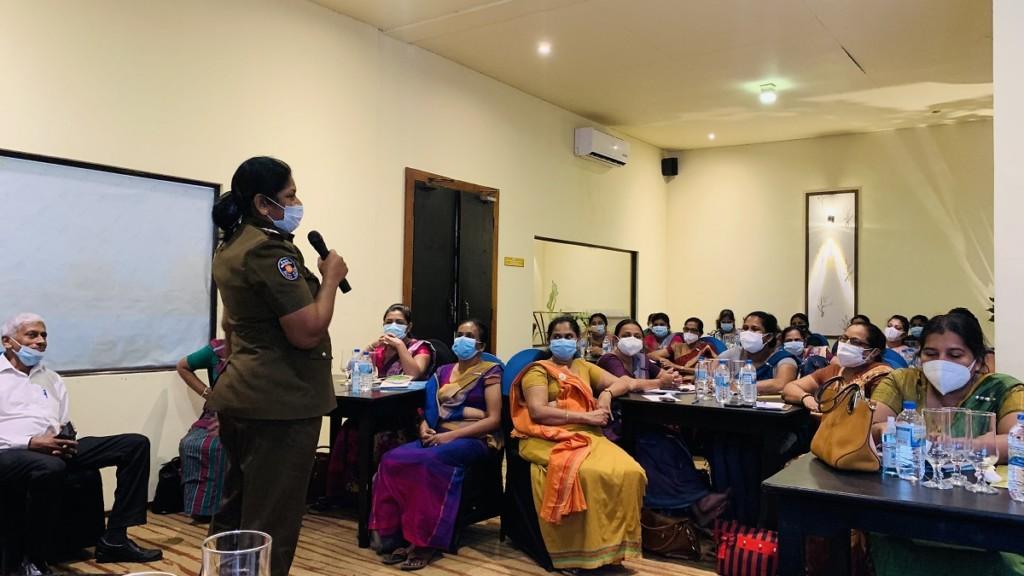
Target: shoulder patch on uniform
288, 268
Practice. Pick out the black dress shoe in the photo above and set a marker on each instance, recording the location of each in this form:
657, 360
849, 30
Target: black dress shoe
127, 552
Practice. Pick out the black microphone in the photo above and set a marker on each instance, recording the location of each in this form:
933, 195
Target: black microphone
320, 246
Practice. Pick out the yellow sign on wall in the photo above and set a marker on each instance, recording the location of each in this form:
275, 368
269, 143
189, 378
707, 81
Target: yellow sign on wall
517, 262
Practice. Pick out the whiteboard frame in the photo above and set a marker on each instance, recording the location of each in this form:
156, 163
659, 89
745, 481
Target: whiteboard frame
140, 174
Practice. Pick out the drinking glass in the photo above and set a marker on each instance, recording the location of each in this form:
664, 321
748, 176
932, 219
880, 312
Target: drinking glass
700, 383
959, 443
735, 394
237, 553
936, 445
984, 452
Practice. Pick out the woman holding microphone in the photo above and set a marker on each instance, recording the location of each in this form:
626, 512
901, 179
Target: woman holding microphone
276, 386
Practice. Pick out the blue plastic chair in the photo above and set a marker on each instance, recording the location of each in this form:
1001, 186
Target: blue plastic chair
515, 365
518, 515
894, 359
715, 343
487, 356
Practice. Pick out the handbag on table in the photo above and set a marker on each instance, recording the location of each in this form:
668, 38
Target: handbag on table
843, 440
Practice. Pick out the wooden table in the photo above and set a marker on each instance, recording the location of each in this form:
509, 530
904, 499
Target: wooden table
814, 499
371, 409
767, 428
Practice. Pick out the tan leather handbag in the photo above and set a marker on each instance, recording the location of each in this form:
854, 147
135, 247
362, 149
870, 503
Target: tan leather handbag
843, 440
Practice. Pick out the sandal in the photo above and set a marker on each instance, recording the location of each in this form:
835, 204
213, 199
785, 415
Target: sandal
417, 561
397, 556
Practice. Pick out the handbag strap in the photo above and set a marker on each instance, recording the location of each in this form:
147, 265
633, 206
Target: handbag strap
846, 395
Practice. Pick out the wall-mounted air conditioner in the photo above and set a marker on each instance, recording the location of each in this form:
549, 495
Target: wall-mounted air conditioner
604, 148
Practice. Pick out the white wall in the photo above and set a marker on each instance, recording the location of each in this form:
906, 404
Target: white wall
192, 88
925, 238
1008, 46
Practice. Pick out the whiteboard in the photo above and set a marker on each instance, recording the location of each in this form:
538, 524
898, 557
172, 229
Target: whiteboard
118, 263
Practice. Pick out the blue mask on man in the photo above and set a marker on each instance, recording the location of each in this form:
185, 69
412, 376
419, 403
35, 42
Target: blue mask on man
464, 347
563, 348
28, 356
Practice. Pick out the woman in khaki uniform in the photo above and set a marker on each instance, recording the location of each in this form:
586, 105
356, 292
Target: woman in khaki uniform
276, 386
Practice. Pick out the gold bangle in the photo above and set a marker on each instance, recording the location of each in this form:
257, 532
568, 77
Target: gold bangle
566, 416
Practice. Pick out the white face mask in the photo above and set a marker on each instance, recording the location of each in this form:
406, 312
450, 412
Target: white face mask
690, 337
752, 342
795, 347
630, 345
893, 333
850, 356
946, 376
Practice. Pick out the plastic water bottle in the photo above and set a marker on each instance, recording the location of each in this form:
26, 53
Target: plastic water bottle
351, 364
910, 442
700, 379
606, 346
722, 382
748, 383
362, 376
889, 448
1015, 461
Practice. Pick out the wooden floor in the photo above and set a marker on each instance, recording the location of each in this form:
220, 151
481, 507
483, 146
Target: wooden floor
327, 547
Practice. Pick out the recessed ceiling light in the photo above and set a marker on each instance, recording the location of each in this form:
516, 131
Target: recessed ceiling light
711, 135
544, 48
768, 94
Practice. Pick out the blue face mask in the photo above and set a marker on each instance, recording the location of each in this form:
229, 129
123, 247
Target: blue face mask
464, 347
916, 331
659, 331
291, 220
397, 330
727, 326
563, 349
598, 329
28, 356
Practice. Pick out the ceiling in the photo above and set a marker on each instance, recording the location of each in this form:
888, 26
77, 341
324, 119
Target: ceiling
669, 72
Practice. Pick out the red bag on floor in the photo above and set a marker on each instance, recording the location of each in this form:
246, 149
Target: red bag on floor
744, 551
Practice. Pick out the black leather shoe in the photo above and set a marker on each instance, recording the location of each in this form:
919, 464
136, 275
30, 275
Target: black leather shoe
127, 552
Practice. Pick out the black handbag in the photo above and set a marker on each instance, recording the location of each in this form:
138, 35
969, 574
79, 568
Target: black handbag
170, 496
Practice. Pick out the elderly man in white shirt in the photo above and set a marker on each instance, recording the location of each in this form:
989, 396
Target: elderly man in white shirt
36, 448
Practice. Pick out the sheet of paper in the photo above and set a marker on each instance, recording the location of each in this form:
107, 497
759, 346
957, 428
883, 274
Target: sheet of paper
771, 405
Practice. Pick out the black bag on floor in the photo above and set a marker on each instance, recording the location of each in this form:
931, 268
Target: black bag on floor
170, 497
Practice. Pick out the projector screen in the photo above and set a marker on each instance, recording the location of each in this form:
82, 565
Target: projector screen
118, 263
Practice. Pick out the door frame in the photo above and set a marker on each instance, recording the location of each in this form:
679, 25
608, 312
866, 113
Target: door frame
412, 176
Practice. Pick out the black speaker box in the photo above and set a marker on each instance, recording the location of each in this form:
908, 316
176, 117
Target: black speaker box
669, 166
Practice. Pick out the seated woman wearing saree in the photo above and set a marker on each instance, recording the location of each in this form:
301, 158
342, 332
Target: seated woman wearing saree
758, 336
953, 373
725, 328
395, 352
674, 485
418, 487
202, 457
683, 354
660, 337
808, 357
859, 362
587, 491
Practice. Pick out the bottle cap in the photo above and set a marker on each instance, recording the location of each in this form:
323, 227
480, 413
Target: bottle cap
1020, 416
909, 405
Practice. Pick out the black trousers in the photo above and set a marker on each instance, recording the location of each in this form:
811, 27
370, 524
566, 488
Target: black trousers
269, 465
40, 477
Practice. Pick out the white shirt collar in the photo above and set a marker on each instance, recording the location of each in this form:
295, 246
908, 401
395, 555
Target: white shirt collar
6, 365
